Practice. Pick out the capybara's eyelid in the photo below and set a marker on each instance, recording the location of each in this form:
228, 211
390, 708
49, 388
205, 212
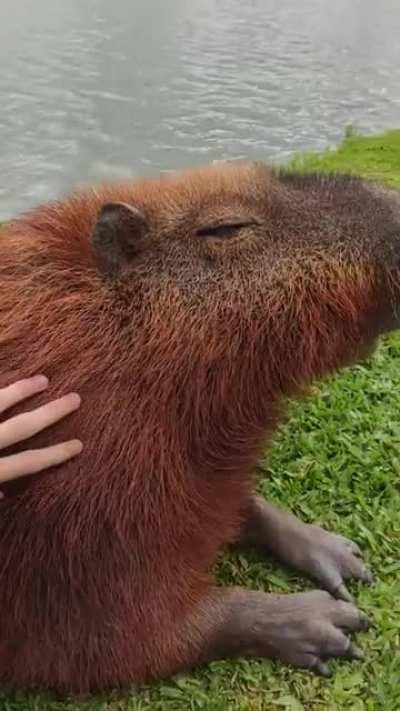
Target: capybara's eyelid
223, 230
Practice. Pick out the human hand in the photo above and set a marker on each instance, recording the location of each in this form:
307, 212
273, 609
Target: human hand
21, 427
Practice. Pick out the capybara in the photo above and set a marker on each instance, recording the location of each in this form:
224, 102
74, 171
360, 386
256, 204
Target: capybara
185, 310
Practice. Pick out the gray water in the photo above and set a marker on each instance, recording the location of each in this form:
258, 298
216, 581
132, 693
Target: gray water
95, 89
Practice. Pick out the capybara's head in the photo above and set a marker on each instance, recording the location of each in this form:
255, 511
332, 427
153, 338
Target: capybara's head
245, 263
233, 268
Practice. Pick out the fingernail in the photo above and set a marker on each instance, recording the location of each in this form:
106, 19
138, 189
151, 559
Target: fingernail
75, 399
76, 446
40, 380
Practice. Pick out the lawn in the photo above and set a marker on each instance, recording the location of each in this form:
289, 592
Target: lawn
336, 462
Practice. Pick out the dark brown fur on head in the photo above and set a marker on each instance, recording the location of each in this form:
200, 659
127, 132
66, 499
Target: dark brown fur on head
182, 310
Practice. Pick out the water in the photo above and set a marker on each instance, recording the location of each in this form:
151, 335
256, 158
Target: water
94, 89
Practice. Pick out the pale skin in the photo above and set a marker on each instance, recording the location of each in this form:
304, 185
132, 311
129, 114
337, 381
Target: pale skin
21, 427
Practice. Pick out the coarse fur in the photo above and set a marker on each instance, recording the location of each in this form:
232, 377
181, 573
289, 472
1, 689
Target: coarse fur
183, 362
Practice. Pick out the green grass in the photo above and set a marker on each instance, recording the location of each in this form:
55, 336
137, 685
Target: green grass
374, 157
336, 462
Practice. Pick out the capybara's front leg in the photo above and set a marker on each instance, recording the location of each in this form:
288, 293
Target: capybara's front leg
328, 558
303, 629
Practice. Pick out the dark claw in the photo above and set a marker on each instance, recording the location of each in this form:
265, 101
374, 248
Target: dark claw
367, 577
354, 652
365, 622
355, 549
321, 669
343, 594
357, 552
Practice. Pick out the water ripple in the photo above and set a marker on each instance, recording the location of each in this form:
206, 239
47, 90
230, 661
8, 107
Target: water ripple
97, 89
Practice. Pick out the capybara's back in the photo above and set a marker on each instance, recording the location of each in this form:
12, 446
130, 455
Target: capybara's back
169, 306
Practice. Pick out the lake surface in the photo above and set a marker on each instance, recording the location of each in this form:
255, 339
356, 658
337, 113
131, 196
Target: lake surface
95, 89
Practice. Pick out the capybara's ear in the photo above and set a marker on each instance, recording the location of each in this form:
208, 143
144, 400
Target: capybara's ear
118, 236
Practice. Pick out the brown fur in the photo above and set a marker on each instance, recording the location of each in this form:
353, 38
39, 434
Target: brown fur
182, 363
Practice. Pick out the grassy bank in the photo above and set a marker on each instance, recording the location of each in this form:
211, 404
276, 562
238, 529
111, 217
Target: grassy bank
336, 462
373, 157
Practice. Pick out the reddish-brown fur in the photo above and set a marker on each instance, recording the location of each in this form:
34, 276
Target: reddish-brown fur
182, 365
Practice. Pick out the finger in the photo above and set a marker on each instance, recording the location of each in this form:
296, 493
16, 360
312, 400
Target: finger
23, 426
35, 460
21, 390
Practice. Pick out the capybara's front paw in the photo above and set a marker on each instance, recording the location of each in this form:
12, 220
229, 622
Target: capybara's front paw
328, 558
332, 559
307, 629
